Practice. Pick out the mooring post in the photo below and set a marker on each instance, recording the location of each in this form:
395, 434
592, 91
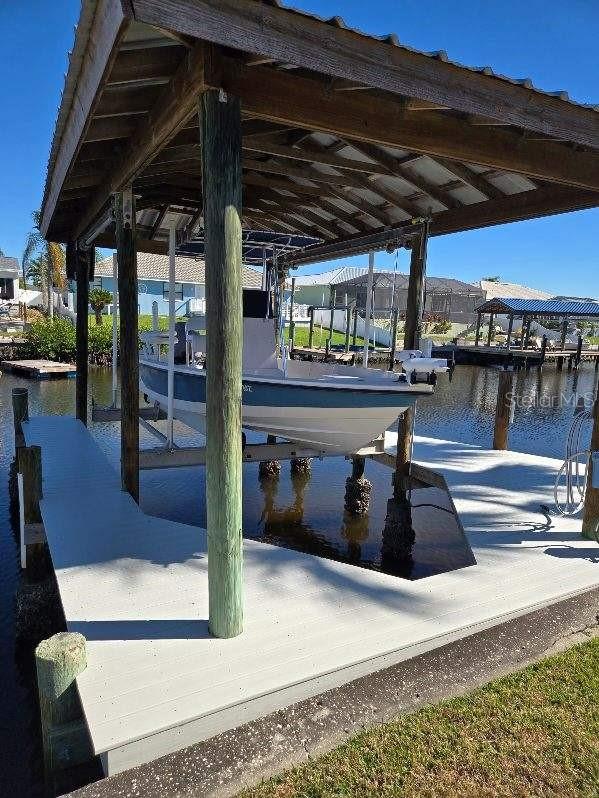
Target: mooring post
357, 488
81, 268
503, 410
124, 212
20, 414
29, 464
412, 335
590, 520
355, 330
269, 469
220, 121
58, 662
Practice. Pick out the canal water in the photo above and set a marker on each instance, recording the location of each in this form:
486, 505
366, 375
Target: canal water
307, 514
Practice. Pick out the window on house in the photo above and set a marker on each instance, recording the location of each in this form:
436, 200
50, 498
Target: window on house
97, 283
178, 291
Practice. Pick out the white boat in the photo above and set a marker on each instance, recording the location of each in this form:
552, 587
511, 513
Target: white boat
328, 406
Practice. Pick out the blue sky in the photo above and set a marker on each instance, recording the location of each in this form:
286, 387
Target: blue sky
551, 42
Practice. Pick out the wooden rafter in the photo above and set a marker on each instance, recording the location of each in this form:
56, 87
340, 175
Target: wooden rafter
158, 221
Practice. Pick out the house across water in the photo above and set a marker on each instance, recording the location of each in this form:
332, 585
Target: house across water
152, 275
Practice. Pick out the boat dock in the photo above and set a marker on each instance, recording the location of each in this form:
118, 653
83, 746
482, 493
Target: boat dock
39, 369
515, 357
137, 588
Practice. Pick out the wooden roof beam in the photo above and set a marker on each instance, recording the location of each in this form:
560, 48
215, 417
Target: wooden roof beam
176, 102
307, 103
288, 37
401, 170
471, 178
158, 221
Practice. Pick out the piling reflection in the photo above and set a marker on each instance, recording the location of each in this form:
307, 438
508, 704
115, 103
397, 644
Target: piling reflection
418, 536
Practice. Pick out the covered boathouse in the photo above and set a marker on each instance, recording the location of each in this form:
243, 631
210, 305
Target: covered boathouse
222, 115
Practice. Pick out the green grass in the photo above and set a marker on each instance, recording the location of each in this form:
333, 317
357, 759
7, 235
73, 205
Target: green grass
534, 733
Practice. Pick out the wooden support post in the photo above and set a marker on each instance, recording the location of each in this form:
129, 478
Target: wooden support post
526, 333
220, 121
29, 464
543, 350
477, 334
291, 322
81, 268
347, 323
331, 325
355, 330
124, 211
412, 335
590, 520
20, 414
559, 363
311, 330
503, 410
393, 347
509, 332
58, 662
564, 334
578, 356
490, 332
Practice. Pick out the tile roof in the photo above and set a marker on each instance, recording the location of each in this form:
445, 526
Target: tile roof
492, 289
187, 270
9, 264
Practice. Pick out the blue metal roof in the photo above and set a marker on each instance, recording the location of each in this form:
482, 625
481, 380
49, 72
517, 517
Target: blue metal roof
540, 307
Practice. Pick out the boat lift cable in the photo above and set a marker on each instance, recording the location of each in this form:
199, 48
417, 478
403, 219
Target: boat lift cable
572, 468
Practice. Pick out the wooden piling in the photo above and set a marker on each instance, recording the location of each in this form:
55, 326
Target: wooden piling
509, 332
543, 351
490, 332
477, 333
58, 662
220, 120
311, 330
29, 464
590, 520
355, 329
20, 414
81, 266
412, 335
503, 410
124, 211
347, 323
578, 356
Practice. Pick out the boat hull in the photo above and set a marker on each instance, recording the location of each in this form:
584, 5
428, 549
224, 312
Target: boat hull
339, 419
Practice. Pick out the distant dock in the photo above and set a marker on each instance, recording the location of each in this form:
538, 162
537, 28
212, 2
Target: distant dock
39, 369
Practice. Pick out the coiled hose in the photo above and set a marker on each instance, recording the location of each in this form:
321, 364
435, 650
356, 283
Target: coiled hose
576, 456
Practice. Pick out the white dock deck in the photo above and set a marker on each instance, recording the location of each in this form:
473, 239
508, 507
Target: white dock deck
136, 587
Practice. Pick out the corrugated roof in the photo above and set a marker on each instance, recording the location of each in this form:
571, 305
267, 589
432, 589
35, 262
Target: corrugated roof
187, 270
540, 307
439, 55
493, 288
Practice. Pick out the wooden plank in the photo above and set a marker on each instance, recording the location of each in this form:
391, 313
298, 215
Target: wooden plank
293, 38
321, 157
107, 29
266, 94
220, 119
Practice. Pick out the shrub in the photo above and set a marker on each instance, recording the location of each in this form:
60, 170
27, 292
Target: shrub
52, 339
441, 327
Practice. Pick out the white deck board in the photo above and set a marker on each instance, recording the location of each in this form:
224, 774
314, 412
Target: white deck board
136, 587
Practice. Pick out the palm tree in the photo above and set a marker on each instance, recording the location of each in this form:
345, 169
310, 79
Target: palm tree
47, 268
98, 299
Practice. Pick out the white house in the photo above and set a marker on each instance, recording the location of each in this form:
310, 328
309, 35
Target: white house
9, 279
